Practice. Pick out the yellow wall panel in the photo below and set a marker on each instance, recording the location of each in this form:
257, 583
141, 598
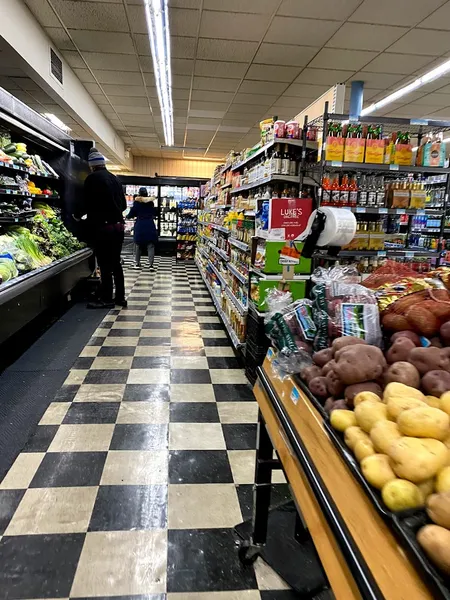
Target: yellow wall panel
166, 167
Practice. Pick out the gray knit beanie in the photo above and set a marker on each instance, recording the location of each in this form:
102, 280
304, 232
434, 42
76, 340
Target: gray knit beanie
96, 159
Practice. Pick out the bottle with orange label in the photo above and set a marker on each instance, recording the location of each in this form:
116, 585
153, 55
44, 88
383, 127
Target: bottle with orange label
326, 190
344, 191
335, 190
353, 191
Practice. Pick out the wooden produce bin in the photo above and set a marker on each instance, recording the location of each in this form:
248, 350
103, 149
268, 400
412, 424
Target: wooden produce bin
358, 550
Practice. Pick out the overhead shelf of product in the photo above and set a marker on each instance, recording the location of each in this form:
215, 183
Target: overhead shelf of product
264, 181
242, 278
269, 146
241, 245
332, 165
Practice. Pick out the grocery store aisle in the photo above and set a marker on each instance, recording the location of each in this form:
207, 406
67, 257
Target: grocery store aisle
143, 464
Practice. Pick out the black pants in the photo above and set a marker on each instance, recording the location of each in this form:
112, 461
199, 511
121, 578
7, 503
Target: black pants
108, 246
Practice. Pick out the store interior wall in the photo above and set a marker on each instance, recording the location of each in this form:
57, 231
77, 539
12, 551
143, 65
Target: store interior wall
164, 167
26, 38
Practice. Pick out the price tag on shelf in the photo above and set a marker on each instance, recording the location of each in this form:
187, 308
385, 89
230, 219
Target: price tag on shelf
381, 253
336, 163
383, 211
409, 254
295, 395
394, 167
421, 212
400, 211
16, 220
8, 191
360, 209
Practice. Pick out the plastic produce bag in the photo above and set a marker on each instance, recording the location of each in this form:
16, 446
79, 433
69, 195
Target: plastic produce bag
290, 327
342, 307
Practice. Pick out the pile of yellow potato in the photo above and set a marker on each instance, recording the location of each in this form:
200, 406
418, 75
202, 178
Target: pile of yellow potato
402, 442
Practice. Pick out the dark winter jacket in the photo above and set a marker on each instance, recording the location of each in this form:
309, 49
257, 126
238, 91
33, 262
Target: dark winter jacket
144, 229
103, 200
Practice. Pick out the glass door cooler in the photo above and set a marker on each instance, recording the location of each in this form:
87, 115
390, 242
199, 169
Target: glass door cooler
187, 212
167, 210
131, 191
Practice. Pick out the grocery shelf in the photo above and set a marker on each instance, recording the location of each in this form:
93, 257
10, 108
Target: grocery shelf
277, 277
390, 211
288, 141
26, 170
351, 166
225, 186
219, 228
217, 272
220, 252
237, 273
264, 180
238, 304
234, 339
241, 245
20, 218
382, 253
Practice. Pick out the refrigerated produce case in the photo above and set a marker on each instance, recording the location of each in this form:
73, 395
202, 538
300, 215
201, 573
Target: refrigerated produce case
42, 171
176, 203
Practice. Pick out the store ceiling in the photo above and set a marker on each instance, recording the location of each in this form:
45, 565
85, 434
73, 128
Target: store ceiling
236, 62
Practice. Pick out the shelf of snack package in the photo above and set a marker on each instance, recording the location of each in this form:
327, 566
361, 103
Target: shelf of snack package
398, 193
401, 318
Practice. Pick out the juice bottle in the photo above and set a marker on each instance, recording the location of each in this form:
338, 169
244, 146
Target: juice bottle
335, 190
353, 191
326, 190
344, 191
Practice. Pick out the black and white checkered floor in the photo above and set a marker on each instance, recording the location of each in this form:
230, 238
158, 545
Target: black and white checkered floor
140, 468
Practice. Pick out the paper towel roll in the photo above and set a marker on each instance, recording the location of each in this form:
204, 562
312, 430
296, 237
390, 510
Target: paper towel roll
340, 226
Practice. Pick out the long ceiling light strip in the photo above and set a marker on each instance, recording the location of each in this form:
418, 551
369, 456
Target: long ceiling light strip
157, 15
414, 85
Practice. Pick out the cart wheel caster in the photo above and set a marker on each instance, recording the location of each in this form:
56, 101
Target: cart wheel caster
248, 553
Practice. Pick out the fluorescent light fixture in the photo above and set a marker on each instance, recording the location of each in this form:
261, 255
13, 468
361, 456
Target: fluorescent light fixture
54, 119
414, 85
157, 15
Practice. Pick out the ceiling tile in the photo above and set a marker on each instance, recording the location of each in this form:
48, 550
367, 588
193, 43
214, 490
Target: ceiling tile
377, 80
145, 120
255, 98
394, 12
226, 50
310, 32
180, 94
282, 54
209, 114
183, 22
365, 37
84, 75
132, 110
291, 102
433, 99
101, 100
91, 15
209, 106
103, 41
272, 73
440, 19
43, 13
333, 9
212, 96
237, 123
265, 7
220, 69
342, 59
233, 129
125, 77
305, 90
202, 127
123, 90
136, 15
429, 42
443, 113
110, 62
202, 121
182, 47
128, 101
248, 108
73, 59
233, 26
215, 84
445, 89
181, 82
323, 76
262, 87
60, 38
403, 64
412, 110
182, 66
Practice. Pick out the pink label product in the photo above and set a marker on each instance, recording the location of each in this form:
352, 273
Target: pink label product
292, 130
280, 129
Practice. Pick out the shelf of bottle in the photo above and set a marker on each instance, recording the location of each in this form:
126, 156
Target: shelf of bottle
242, 278
241, 245
218, 251
288, 141
426, 230
264, 180
237, 303
225, 186
234, 339
219, 228
407, 252
389, 211
351, 166
218, 274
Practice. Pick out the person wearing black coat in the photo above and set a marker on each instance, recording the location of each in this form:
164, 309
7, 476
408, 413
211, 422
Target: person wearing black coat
145, 232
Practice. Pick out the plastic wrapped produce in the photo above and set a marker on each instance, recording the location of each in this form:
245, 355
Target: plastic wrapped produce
343, 308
